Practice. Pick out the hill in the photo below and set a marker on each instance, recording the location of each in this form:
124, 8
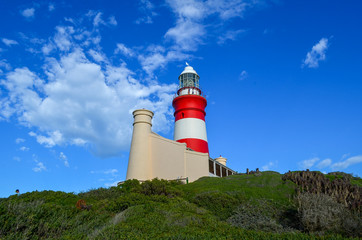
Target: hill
266, 205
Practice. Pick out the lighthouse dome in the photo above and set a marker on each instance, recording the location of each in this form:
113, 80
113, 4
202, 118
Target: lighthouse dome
189, 69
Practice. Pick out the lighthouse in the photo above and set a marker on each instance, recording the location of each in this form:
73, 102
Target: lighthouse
186, 158
189, 105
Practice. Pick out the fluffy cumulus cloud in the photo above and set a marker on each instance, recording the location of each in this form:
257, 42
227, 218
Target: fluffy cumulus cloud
317, 54
81, 98
84, 97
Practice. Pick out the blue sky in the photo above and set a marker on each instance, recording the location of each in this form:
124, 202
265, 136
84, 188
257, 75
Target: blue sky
283, 80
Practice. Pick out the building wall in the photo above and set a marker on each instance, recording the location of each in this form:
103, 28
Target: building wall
171, 160
196, 165
167, 158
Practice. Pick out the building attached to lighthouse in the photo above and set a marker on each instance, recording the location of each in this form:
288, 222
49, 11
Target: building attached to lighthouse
185, 157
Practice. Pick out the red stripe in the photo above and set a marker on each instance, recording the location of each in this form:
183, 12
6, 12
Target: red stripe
189, 106
195, 144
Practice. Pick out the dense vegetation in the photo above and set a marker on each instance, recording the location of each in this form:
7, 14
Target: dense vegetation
265, 205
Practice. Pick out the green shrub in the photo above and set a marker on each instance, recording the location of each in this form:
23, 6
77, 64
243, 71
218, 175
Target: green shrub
323, 214
219, 203
257, 215
101, 193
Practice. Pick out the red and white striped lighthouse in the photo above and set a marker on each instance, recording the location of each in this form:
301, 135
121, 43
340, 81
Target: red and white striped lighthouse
189, 105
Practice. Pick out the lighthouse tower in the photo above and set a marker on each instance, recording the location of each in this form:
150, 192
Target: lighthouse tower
189, 105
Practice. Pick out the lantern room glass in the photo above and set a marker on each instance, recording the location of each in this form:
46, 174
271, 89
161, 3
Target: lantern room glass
189, 80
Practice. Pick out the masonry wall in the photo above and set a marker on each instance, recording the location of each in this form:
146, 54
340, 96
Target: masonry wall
171, 160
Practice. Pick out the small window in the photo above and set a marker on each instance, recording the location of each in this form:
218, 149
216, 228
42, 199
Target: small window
182, 115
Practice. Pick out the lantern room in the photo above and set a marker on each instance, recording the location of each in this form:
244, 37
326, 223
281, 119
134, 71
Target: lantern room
189, 82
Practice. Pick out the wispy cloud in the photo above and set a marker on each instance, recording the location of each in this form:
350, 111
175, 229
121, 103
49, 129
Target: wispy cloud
51, 7
324, 163
9, 42
348, 162
243, 75
146, 7
268, 166
24, 149
110, 176
19, 140
39, 167
229, 35
28, 13
308, 163
64, 159
317, 54
121, 48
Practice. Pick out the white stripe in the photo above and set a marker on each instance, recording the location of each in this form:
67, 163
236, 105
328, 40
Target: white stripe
190, 128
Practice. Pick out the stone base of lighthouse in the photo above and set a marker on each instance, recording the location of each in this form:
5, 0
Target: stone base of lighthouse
152, 156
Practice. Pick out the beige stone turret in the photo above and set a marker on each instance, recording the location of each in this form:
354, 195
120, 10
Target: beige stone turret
221, 160
139, 163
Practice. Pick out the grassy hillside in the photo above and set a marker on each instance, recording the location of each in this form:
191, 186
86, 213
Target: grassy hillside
260, 206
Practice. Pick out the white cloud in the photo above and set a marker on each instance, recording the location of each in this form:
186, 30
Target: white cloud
54, 138
39, 167
24, 149
51, 7
28, 13
111, 171
4, 64
187, 34
19, 140
348, 162
121, 48
317, 54
267, 166
243, 75
98, 19
80, 102
9, 42
64, 159
96, 16
308, 163
229, 35
147, 8
97, 56
112, 184
63, 37
156, 58
112, 177
324, 163
112, 21
17, 159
